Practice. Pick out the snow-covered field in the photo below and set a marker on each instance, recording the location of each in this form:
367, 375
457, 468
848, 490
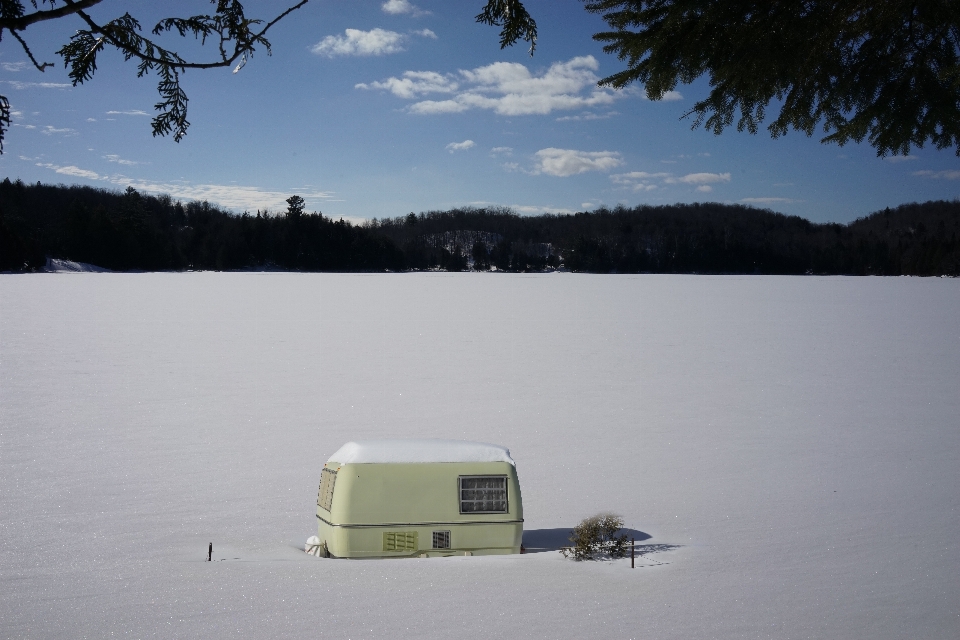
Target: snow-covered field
791, 446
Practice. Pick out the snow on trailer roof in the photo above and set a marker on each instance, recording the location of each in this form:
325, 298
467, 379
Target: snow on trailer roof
427, 450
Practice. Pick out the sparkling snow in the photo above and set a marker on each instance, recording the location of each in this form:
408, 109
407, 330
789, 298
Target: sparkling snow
419, 450
786, 451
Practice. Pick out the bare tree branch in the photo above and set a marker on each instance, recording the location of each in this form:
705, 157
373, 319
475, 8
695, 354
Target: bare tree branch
279, 17
39, 66
21, 23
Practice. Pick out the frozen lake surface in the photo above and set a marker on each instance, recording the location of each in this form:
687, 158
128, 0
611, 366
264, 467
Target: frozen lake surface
787, 448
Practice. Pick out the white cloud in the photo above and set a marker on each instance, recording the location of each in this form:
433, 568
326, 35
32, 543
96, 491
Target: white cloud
232, 196
509, 88
397, 7
942, 175
112, 157
699, 178
766, 200
519, 208
687, 156
586, 205
644, 181
414, 83
587, 115
510, 166
430, 107
460, 146
568, 162
426, 33
91, 119
668, 96
375, 42
131, 112
16, 84
14, 66
71, 170
50, 130
237, 197
627, 178
896, 159
25, 126
535, 210
501, 151
639, 180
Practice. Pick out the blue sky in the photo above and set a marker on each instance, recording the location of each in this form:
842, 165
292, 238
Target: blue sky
376, 109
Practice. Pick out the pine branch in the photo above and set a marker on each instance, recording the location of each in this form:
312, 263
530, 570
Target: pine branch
514, 19
4, 119
228, 25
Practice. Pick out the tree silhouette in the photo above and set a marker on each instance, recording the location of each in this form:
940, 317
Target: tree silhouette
295, 206
887, 72
236, 37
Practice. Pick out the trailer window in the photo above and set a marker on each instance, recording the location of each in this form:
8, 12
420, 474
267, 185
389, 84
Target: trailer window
441, 539
328, 478
483, 494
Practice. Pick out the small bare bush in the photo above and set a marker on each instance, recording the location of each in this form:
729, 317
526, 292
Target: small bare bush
596, 538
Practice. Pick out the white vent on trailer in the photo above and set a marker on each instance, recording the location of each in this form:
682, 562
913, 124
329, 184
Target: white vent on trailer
328, 478
441, 539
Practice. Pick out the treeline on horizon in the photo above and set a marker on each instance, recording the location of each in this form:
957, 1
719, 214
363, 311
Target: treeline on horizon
130, 231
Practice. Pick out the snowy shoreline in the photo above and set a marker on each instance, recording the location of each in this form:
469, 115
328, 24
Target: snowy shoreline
784, 449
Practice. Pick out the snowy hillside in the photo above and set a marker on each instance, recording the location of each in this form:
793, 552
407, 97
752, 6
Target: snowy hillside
55, 265
786, 449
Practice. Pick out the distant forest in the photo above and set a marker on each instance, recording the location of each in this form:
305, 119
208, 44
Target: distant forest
130, 231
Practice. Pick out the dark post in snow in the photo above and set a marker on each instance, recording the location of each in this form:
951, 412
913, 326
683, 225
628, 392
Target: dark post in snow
633, 542
210, 552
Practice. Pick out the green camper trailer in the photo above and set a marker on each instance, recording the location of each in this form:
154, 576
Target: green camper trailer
416, 498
